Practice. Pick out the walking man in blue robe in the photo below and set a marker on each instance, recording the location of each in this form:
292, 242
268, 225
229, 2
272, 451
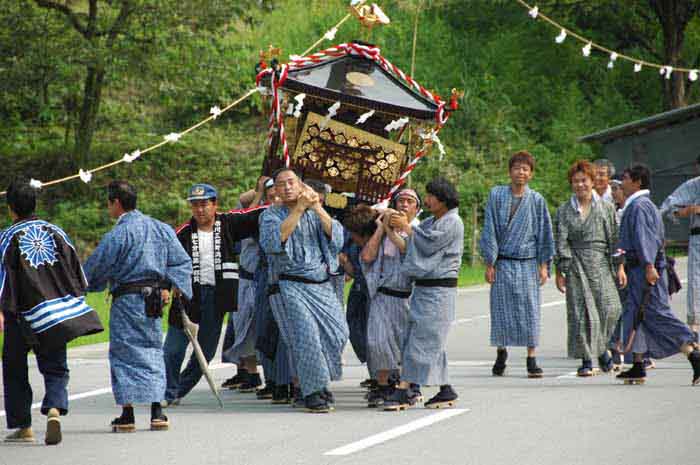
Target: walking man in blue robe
140, 259
42, 297
656, 331
517, 246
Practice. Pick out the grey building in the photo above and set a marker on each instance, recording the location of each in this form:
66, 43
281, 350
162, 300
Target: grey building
669, 143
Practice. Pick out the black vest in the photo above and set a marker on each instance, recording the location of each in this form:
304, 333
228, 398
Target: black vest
229, 228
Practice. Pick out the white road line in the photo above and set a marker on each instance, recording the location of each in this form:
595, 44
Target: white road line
554, 304
396, 432
107, 390
460, 321
568, 375
82, 395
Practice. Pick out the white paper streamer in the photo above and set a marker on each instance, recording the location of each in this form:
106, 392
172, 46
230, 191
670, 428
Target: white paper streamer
132, 156
396, 124
364, 117
85, 176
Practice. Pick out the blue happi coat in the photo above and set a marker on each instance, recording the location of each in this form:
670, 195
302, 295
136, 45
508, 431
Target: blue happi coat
433, 251
316, 331
660, 334
687, 194
138, 248
516, 247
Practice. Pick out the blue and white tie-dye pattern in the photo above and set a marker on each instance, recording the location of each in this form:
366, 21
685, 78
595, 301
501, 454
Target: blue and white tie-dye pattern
686, 194
516, 246
315, 324
244, 318
138, 248
433, 251
388, 315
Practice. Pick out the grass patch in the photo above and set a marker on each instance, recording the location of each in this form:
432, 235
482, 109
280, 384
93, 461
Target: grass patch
471, 275
101, 303
468, 276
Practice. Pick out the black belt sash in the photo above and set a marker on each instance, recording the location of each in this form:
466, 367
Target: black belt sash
519, 259
137, 287
299, 279
273, 289
245, 274
394, 293
442, 282
695, 231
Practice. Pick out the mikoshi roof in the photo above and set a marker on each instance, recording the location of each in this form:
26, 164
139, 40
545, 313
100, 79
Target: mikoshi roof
357, 74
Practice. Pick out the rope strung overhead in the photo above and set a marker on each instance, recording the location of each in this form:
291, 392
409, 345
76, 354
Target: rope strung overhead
173, 137
589, 45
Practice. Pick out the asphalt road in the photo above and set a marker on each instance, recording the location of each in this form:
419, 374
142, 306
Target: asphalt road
559, 419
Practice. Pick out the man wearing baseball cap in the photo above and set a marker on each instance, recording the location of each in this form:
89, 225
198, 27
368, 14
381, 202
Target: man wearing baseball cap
208, 237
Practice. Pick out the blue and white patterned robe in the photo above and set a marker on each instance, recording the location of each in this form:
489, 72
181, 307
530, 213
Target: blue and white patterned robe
137, 248
388, 315
433, 251
660, 334
687, 194
516, 248
243, 319
313, 317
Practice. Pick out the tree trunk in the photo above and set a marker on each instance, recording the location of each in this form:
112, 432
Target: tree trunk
87, 118
674, 16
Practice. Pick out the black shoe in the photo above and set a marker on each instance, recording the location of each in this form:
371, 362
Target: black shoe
605, 362
266, 392
499, 367
414, 393
397, 400
315, 403
649, 364
124, 423
369, 384
297, 397
447, 397
280, 394
635, 375
251, 384
328, 397
586, 369
694, 359
376, 397
618, 360
235, 381
533, 371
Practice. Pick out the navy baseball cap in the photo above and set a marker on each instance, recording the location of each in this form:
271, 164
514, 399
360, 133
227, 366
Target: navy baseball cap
201, 192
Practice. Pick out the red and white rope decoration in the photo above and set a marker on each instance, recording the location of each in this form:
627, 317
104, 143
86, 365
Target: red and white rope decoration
372, 53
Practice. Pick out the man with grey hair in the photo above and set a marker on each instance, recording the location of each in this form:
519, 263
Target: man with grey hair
604, 170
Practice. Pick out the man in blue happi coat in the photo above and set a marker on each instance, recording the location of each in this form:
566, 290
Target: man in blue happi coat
656, 331
517, 246
305, 241
140, 259
42, 297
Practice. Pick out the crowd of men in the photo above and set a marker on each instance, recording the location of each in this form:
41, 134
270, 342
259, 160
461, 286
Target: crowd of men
278, 263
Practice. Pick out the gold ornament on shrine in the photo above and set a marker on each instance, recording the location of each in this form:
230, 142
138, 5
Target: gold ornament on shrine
370, 15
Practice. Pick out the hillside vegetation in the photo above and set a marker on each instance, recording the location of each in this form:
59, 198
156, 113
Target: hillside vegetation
522, 91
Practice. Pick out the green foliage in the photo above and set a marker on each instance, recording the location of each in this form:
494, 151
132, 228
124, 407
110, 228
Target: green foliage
177, 59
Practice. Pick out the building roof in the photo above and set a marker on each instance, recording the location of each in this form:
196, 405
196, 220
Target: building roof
644, 125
